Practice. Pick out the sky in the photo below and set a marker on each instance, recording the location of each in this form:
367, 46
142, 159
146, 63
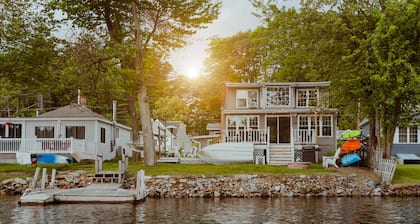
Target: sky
236, 16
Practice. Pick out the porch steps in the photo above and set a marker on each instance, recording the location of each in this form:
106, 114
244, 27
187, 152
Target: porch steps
280, 155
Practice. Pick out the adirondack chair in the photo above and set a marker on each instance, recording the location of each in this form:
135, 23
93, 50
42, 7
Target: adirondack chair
331, 160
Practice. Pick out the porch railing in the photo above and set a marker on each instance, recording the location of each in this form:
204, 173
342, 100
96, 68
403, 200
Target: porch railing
250, 135
304, 136
41, 145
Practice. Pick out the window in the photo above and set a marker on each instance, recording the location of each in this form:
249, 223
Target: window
408, 135
324, 123
2, 130
12, 130
102, 135
307, 97
278, 96
77, 132
44, 132
246, 98
242, 122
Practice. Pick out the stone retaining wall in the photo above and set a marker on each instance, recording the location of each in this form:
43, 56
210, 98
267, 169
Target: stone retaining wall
241, 186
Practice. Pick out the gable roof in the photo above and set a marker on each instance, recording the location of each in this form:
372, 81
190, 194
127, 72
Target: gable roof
72, 111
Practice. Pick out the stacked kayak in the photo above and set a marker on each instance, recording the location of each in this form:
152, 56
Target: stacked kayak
350, 147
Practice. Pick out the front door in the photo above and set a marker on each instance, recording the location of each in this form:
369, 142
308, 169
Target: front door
279, 129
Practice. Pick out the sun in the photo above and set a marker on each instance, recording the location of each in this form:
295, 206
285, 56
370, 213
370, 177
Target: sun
192, 72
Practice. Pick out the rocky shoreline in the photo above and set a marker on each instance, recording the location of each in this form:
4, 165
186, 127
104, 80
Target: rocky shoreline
239, 186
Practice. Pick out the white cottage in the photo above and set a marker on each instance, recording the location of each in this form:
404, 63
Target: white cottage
72, 129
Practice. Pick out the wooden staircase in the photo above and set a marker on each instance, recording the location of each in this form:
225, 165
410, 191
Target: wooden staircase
280, 155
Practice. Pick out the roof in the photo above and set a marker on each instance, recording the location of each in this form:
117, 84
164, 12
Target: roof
72, 111
213, 127
293, 84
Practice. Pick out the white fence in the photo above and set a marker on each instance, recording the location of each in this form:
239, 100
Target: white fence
41, 145
384, 167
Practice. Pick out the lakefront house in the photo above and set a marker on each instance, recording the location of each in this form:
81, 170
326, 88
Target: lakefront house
285, 122
73, 130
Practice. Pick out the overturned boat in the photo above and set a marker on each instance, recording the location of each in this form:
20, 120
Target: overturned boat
228, 153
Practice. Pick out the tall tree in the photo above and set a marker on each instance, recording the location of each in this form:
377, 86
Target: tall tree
143, 25
27, 52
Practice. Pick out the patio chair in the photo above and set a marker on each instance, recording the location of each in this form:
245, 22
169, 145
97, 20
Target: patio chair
331, 160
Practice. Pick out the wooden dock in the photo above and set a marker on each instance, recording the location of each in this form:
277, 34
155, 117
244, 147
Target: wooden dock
107, 188
94, 193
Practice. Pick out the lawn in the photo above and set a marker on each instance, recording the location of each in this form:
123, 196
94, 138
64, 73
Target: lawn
404, 173
407, 174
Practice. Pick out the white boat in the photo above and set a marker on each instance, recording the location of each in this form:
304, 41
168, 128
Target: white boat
227, 153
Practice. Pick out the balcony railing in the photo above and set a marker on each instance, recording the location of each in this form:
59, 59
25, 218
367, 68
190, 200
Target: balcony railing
41, 145
246, 135
304, 136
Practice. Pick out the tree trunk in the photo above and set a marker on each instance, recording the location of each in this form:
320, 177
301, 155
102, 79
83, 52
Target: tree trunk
146, 126
131, 108
146, 123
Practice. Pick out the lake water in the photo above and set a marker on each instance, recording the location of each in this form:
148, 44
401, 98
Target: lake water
230, 210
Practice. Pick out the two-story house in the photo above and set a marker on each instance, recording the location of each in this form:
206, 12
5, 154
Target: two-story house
282, 119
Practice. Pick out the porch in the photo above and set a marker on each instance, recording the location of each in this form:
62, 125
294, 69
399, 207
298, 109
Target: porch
267, 144
45, 146
263, 136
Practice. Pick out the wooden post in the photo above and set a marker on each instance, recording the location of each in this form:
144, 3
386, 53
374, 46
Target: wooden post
52, 183
98, 163
140, 187
44, 178
33, 184
120, 170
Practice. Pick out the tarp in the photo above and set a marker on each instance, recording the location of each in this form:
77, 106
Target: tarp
351, 145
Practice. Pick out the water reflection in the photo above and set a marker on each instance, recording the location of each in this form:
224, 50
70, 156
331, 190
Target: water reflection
278, 210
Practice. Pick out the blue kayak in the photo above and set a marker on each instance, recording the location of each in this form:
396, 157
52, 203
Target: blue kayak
350, 158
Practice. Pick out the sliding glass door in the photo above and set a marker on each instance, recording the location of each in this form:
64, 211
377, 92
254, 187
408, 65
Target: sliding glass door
279, 129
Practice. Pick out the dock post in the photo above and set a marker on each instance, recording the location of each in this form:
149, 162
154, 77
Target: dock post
52, 183
98, 163
140, 187
126, 164
44, 178
33, 184
120, 170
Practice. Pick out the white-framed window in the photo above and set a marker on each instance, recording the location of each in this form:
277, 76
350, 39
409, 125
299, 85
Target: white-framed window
324, 123
77, 132
408, 135
44, 131
307, 97
242, 122
103, 135
278, 96
246, 98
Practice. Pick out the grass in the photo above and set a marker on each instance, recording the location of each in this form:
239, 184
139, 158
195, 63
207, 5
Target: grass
407, 174
404, 174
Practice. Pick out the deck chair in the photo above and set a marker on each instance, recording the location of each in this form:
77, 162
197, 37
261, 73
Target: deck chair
331, 160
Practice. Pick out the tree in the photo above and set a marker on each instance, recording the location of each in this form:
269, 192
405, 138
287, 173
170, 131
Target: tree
142, 25
28, 53
366, 48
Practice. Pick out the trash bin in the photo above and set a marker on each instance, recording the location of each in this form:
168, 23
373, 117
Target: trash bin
308, 154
